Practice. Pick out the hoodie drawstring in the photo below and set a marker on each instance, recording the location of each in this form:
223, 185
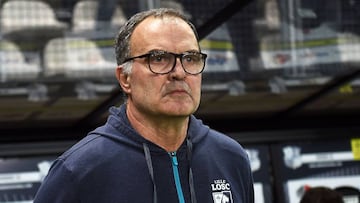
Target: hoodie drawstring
151, 171
191, 177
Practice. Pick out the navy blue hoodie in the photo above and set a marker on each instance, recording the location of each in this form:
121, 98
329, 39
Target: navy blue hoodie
114, 164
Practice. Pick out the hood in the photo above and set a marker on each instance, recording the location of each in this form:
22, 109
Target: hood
119, 129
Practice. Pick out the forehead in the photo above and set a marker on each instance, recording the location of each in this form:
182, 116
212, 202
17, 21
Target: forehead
166, 32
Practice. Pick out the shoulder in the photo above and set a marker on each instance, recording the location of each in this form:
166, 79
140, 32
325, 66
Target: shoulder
84, 145
223, 145
222, 139
89, 151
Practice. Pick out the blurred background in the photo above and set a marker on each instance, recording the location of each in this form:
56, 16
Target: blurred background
282, 78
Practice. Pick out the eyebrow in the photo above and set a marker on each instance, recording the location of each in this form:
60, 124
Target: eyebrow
187, 51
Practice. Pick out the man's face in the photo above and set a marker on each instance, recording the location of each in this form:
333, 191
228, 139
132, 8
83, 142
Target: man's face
176, 93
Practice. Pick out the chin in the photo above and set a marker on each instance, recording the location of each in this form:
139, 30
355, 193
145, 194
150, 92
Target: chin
179, 112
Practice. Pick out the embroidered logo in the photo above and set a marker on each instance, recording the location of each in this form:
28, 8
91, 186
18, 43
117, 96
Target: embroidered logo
221, 191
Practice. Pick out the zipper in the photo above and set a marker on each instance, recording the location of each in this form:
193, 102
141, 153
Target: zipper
175, 164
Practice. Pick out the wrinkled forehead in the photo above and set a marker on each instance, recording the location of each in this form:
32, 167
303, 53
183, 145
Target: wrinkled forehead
164, 20
162, 30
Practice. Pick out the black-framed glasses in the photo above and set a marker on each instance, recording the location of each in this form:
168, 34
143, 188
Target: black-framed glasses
163, 62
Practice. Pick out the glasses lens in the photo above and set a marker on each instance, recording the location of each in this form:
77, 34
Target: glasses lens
193, 63
161, 61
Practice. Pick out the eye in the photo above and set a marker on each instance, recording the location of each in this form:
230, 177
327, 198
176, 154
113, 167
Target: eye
160, 57
192, 58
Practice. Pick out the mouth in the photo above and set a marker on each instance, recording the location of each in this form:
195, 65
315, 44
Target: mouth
177, 89
178, 92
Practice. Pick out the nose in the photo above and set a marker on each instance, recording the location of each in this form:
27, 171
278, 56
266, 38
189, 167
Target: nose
178, 71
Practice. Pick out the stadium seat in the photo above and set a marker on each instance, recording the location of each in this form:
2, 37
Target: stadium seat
13, 65
54, 57
85, 16
29, 17
76, 58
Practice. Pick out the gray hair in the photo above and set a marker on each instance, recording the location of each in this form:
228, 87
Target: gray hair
122, 40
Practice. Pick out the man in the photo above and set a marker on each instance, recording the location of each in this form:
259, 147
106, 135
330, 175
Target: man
152, 149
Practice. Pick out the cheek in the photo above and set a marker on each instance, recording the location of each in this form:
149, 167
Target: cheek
196, 89
144, 87
140, 82
197, 85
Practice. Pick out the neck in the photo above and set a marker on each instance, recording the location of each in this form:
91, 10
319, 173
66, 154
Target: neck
165, 131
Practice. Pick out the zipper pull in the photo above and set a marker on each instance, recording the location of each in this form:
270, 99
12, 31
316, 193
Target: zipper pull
177, 176
173, 158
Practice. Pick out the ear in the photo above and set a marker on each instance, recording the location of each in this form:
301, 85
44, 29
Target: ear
123, 79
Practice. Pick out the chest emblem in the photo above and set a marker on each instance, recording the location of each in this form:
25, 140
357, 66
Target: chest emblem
221, 191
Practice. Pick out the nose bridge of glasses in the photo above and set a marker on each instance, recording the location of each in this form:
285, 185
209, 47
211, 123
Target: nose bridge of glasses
176, 57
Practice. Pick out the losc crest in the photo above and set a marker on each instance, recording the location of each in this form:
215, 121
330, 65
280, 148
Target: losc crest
221, 192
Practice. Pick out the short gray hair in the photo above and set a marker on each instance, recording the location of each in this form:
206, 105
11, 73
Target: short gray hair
122, 40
